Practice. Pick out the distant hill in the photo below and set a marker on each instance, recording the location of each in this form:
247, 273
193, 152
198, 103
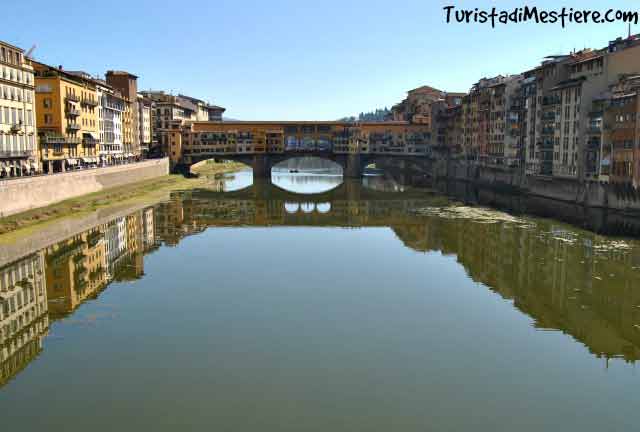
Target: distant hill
371, 116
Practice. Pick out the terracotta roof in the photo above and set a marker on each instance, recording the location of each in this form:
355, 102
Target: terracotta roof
118, 72
425, 88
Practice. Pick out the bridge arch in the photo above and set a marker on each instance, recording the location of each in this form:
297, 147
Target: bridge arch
307, 207
313, 162
352, 164
319, 176
301, 194
291, 207
323, 207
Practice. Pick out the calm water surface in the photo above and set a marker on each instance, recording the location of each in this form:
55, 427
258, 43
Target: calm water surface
307, 303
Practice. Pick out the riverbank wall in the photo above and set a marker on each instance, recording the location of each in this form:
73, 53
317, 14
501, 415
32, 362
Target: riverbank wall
45, 236
22, 194
591, 194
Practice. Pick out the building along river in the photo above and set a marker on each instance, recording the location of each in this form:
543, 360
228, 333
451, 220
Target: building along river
309, 303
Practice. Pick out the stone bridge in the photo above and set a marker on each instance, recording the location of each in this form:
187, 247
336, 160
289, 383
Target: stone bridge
350, 204
263, 144
353, 165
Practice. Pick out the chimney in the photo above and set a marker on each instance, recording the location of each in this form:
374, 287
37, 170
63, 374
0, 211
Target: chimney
59, 67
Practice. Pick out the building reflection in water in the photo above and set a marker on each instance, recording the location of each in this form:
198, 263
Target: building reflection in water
23, 314
565, 279
53, 282
562, 279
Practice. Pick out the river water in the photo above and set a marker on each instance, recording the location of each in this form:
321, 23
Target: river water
312, 304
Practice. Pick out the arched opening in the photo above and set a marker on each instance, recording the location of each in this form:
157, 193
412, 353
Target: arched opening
323, 207
291, 207
307, 207
307, 175
224, 175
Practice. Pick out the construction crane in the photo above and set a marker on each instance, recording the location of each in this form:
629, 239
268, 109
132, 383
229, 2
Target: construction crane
31, 50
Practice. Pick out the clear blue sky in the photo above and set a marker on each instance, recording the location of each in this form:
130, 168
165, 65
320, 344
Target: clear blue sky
292, 59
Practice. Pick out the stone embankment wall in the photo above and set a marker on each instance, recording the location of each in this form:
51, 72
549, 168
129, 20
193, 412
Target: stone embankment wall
589, 194
63, 229
19, 195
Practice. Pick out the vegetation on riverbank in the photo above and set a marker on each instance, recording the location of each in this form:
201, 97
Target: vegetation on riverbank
149, 190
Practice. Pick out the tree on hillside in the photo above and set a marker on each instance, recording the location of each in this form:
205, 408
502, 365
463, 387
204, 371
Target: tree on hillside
371, 116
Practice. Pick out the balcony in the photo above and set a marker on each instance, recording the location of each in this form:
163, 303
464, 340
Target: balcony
64, 252
73, 113
90, 102
52, 139
73, 127
88, 141
72, 98
16, 127
73, 140
551, 101
14, 154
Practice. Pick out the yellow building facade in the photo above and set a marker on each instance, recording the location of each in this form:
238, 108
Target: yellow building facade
129, 127
67, 119
75, 270
194, 140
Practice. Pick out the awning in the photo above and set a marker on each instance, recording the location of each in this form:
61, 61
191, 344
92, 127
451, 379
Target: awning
91, 134
72, 161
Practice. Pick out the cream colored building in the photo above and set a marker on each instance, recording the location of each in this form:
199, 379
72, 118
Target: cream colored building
170, 112
23, 313
145, 107
18, 143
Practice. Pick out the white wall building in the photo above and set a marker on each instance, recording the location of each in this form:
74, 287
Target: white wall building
144, 124
110, 111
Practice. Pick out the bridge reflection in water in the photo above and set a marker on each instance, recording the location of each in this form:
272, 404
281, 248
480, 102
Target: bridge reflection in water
565, 279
